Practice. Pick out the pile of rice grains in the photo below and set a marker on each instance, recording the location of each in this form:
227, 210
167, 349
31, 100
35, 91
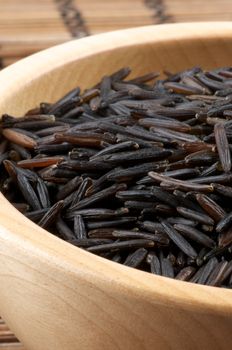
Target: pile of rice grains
137, 171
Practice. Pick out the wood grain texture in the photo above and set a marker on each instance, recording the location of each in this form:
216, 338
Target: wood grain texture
13, 346
57, 297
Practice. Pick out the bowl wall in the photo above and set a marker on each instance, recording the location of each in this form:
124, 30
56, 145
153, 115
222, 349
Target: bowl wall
48, 75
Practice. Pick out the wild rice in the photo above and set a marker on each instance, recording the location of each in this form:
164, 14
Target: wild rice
137, 171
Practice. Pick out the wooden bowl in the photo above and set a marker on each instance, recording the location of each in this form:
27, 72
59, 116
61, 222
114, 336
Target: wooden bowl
57, 297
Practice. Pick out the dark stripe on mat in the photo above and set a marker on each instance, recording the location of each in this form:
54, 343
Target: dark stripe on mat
72, 18
159, 11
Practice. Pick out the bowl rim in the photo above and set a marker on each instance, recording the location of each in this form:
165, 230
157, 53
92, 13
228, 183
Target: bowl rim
27, 69
72, 259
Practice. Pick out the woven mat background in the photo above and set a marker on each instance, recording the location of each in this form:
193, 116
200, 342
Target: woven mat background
27, 26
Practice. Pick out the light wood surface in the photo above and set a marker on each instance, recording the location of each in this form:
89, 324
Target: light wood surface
57, 297
13, 346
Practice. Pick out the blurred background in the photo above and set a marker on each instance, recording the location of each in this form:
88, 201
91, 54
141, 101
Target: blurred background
27, 26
